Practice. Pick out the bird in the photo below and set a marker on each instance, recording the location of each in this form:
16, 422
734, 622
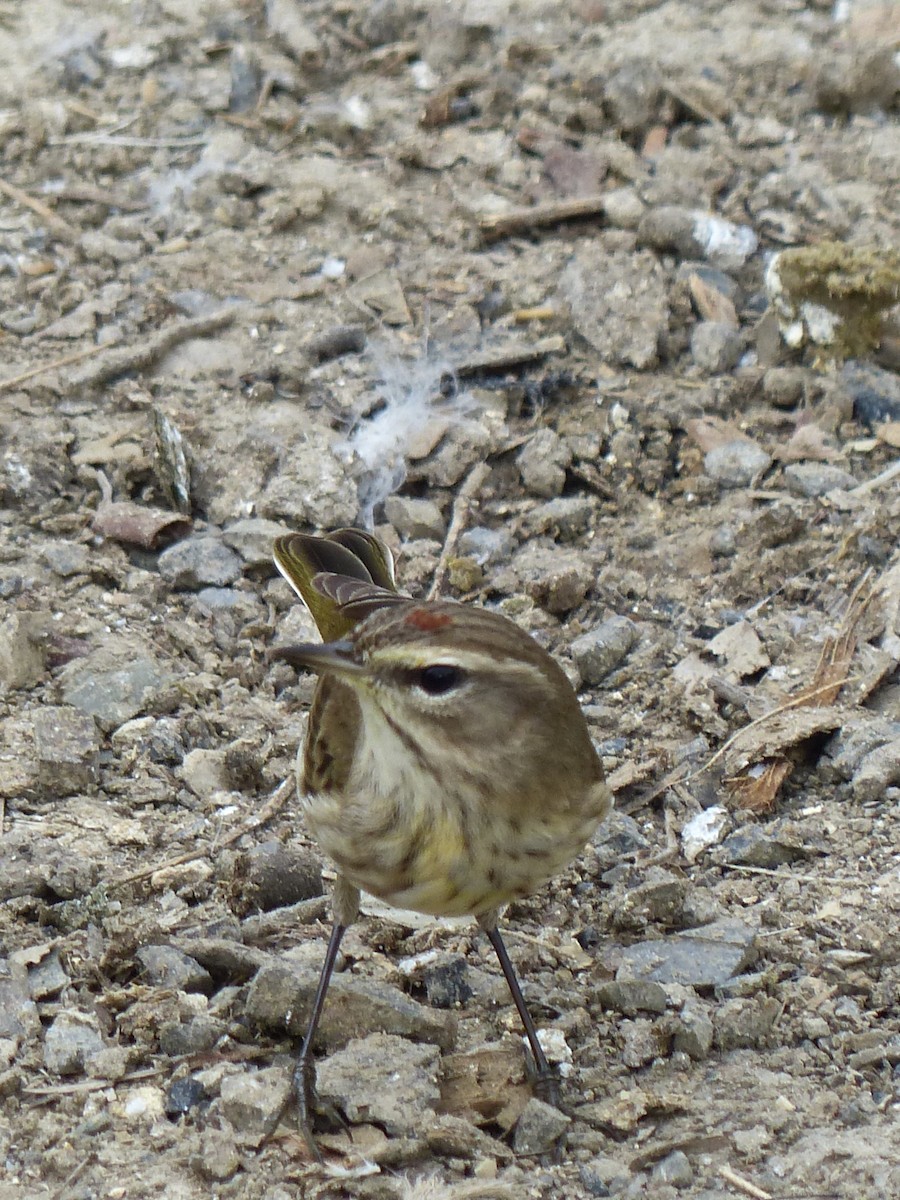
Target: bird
447, 765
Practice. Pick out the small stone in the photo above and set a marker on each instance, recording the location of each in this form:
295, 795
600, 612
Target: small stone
199, 561
18, 1012
557, 579
252, 539
205, 772
280, 997
67, 749
168, 967
218, 1158
631, 996
746, 1023
415, 518
604, 1176
273, 875
762, 846
539, 1128
658, 898
565, 518
183, 1095
48, 977
716, 346
814, 479
253, 1100
455, 1137
784, 387
66, 558
113, 684
71, 1042
623, 208
675, 1169
703, 958
598, 652
23, 648
542, 462
196, 1036
693, 1030
736, 463
722, 542
642, 1042
447, 983
383, 1079
815, 1028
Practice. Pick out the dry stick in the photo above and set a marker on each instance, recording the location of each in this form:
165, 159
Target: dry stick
743, 1185
268, 810
65, 361
539, 216
473, 482
60, 227
870, 484
131, 358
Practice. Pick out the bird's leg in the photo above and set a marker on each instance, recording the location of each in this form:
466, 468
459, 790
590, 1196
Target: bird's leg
546, 1082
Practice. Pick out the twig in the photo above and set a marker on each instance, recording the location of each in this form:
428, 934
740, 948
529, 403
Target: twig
743, 1185
472, 483
60, 227
77, 1170
268, 810
877, 480
66, 360
539, 216
134, 357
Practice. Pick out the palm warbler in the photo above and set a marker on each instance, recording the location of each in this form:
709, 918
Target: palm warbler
447, 766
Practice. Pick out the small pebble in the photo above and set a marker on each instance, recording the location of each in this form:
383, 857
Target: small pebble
736, 463
716, 346
814, 479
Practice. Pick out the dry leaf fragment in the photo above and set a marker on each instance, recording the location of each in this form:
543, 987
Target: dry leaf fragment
711, 304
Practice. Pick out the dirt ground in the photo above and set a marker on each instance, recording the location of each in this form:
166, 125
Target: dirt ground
499, 278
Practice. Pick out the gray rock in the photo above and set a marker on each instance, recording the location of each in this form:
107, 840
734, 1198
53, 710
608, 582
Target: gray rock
455, 1137
702, 958
542, 462
642, 1042
66, 558
813, 479
463, 445
618, 301
252, 539
785, 387
253, 1100
23, 648
565, 518
623, 208
722, 542
114, 684
67, 749
693, 1030
746, 1023
557, 579
631, 996
599, 651
383, 1079
168, 967
205, 772
736, 463
243, 605
414, 518
762, 846
273, 875
218, 1157
447, 983
280, 997
48, 977
539, 1128
18, 1012
199, 561
716, 346
604, 1176
71, 1043
178, 1038
659, 897
675, 1169
878, 770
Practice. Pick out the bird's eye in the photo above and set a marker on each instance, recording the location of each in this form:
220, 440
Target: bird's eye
439, 679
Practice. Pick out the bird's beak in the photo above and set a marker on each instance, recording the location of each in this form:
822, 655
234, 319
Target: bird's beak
319, 658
